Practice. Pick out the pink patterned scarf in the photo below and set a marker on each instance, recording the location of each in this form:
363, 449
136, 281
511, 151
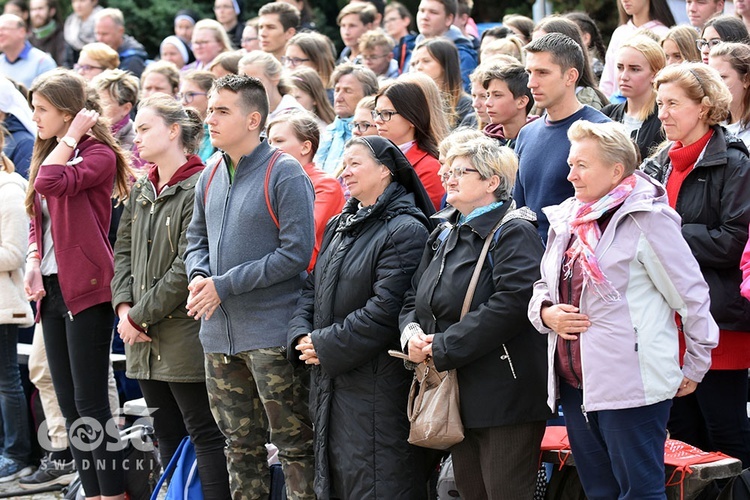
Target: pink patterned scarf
587, 232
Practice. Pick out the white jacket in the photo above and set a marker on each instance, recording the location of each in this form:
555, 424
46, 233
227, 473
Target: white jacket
14, 240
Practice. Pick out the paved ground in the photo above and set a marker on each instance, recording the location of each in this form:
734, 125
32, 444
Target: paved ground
11, 490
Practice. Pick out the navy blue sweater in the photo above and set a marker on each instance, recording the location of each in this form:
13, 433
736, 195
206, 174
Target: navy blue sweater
542, 148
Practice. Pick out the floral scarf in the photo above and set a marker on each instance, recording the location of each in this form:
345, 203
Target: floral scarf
584, 226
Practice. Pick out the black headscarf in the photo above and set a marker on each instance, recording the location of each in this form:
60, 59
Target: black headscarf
391, 156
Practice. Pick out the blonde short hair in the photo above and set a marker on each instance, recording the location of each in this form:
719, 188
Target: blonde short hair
614, 142
489, 158
703, 85
102, 54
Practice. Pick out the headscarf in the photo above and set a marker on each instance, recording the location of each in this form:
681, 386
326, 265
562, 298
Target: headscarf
12, 102
187, 15
402, 171
185, 52
584, 225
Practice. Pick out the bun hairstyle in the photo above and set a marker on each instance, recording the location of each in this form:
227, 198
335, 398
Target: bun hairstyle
172, 112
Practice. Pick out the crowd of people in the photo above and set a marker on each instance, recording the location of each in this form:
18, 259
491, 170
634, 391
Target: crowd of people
260, 218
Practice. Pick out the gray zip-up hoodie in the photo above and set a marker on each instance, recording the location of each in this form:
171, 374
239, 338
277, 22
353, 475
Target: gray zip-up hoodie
257, 268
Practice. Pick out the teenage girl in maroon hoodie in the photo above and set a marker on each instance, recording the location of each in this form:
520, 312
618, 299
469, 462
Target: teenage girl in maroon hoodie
74, 167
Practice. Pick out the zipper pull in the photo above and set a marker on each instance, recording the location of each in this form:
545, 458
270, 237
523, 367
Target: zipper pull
153, 207
70, 315
585, 415
168, 220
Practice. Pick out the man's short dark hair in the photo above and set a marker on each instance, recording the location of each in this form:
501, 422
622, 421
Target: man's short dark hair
252, 94
451, 7
365, 11
289, 16
565, 52
514, 76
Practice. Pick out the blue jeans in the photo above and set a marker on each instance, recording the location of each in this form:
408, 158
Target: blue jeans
618, 453
13, 405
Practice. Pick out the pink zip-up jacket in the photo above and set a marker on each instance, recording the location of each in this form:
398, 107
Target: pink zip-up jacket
629, 355
79, 198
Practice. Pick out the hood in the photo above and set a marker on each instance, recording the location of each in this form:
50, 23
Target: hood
131, 47
494, 131
394, 201
13, 125
9, 179
454, 34
646, 193
187, 170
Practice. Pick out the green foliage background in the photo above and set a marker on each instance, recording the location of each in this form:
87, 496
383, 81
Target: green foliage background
149, 21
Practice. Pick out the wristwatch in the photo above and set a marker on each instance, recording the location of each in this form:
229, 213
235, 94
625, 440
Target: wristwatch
69, 141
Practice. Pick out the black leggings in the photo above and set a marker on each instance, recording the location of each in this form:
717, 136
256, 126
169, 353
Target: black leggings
78, 353
182, 409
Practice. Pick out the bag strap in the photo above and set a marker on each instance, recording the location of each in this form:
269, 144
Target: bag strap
169, 469
478, 269
210, 179
271, 163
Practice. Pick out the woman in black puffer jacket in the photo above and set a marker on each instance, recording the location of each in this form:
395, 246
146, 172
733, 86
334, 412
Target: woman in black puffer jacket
347, 319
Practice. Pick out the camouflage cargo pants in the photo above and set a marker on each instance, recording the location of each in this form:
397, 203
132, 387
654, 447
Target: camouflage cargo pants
252, 394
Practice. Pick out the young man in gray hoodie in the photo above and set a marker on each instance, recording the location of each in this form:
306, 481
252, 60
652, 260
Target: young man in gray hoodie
249, 242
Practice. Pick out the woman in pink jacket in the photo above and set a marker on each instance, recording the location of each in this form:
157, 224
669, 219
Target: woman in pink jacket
615, 271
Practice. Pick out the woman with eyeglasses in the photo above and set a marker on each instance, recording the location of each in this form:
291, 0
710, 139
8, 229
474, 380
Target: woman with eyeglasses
194, 87
310, 92
706, 172
721, 29
266, 68
402, 115
347, 320
314, 51
209, 40
362, 123
95, 58
498, 356
732, 61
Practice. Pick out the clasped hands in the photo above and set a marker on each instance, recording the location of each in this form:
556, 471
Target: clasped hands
307, 350
568, 323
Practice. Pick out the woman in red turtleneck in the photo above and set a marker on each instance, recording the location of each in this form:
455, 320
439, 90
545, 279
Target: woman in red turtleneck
707, 176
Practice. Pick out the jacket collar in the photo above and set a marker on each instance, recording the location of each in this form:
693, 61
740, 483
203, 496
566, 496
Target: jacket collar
482, 224
646, 193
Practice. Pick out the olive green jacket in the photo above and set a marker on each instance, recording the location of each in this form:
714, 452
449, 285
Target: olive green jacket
150, 275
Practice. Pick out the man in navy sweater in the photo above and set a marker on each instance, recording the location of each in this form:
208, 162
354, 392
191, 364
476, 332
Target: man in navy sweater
554, 63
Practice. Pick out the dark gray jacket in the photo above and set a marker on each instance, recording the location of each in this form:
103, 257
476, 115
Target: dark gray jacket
257, 268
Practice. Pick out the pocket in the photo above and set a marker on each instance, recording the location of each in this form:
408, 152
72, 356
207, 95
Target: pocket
78, 274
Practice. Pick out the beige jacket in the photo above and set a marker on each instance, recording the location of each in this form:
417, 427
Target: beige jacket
14, 237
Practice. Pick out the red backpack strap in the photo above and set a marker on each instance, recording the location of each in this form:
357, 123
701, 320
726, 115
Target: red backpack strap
210, 179
271, 163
